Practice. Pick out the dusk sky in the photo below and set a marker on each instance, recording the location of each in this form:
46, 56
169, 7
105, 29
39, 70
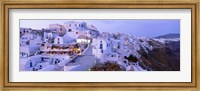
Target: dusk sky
147, 28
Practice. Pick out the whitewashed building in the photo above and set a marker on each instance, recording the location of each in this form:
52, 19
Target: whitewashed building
26, 51
100, 47
57, 28
74, 25
112, 57
63, 40
36, 41
25, 31
44, 63
58, 40
93, 31
47, 35
83, 39
25, 39
74, 29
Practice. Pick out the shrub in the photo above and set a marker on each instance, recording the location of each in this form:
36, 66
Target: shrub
131, 58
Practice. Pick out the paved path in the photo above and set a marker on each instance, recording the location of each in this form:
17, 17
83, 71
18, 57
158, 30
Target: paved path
89, 51
85, 61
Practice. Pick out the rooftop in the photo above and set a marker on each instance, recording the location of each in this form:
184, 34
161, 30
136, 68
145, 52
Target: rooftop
83, 37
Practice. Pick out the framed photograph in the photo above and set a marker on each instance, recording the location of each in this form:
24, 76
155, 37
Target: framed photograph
100, 45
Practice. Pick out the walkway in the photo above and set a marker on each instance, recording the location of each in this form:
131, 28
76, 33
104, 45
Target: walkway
83, 62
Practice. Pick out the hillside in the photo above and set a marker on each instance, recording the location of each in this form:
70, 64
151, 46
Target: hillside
172, 35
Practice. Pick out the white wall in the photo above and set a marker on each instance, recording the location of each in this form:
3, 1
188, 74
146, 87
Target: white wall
83, 41
58, 40
34, 60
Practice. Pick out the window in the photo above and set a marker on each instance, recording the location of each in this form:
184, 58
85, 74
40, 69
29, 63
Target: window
101, 51
40, 67
82, 25
70, 30
101, 46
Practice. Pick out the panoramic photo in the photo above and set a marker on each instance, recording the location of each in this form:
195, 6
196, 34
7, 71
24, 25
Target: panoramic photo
99, 45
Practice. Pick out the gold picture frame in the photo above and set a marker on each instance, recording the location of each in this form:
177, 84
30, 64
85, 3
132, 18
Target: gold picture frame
105, 4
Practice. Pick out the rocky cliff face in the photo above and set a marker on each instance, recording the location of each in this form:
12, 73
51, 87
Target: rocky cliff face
157, 54
152, 54
163, 57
